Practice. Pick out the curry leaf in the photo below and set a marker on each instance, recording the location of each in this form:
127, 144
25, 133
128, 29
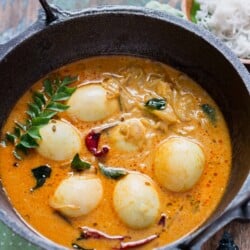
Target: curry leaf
34, 132
55, 106
40, 96
156, 103
210, 112
63, 93
39, 121
113, 173
68, 80
38, 102
195, 7
28, 142
48, 87
41, 173
44, 107
79, 164
47, 114
34, 108
11, 137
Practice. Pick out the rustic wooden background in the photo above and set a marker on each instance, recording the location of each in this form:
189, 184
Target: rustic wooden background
14, 12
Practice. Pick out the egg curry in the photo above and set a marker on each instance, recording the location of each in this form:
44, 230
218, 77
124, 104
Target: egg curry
115, 152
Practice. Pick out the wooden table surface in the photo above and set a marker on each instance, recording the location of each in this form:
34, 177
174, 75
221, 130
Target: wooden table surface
10, 16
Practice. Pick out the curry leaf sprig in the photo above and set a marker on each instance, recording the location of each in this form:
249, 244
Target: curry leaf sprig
45, 105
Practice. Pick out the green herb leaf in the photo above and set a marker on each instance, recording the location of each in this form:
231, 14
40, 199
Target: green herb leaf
44, 107
41, 174
40, 96
79, 164
34, 132
63, 93
156, 103
39, 121
47, 114
28, 142
11, 137
68, 80
113, 173
210, 112
55, 106
195, 7
34, 108
38, 102
48, 87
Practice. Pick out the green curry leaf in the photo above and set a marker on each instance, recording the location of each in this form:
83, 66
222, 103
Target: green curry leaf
46, 104
48, 87
41, 173
56, 106
78, 164
10, 137
210, 112
156, 103
111, 172
34, 132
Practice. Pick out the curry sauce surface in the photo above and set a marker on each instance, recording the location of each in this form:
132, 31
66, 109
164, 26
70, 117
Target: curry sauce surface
184, 211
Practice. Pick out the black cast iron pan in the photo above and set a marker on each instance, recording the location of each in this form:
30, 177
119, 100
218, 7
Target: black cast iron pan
58, 38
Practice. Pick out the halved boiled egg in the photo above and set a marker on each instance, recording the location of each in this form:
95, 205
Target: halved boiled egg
60, 141
77, 195
90, 103
136, 201
178, 164
129, 135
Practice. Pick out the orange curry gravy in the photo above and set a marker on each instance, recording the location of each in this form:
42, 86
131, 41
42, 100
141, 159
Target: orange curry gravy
185, 211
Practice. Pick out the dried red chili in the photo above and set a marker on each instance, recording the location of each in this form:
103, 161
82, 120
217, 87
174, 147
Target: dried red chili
87, 232
92, 142
132, 244
162, 221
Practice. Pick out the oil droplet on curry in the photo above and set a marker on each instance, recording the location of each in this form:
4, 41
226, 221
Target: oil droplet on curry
115, 152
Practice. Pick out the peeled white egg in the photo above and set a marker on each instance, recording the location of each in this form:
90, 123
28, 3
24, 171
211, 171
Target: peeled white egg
77, 195
128, 136
60, 141
178, 164
90, 103
136, 201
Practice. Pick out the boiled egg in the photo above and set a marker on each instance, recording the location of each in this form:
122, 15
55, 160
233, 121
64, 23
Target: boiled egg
77, 195
128, 136
90, 103
178, 164
60, 141
136, 201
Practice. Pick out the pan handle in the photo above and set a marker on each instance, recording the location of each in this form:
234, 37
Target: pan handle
46, 17
49, 13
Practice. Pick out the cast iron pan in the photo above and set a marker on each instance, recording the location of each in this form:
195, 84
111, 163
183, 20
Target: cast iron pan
58, 38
